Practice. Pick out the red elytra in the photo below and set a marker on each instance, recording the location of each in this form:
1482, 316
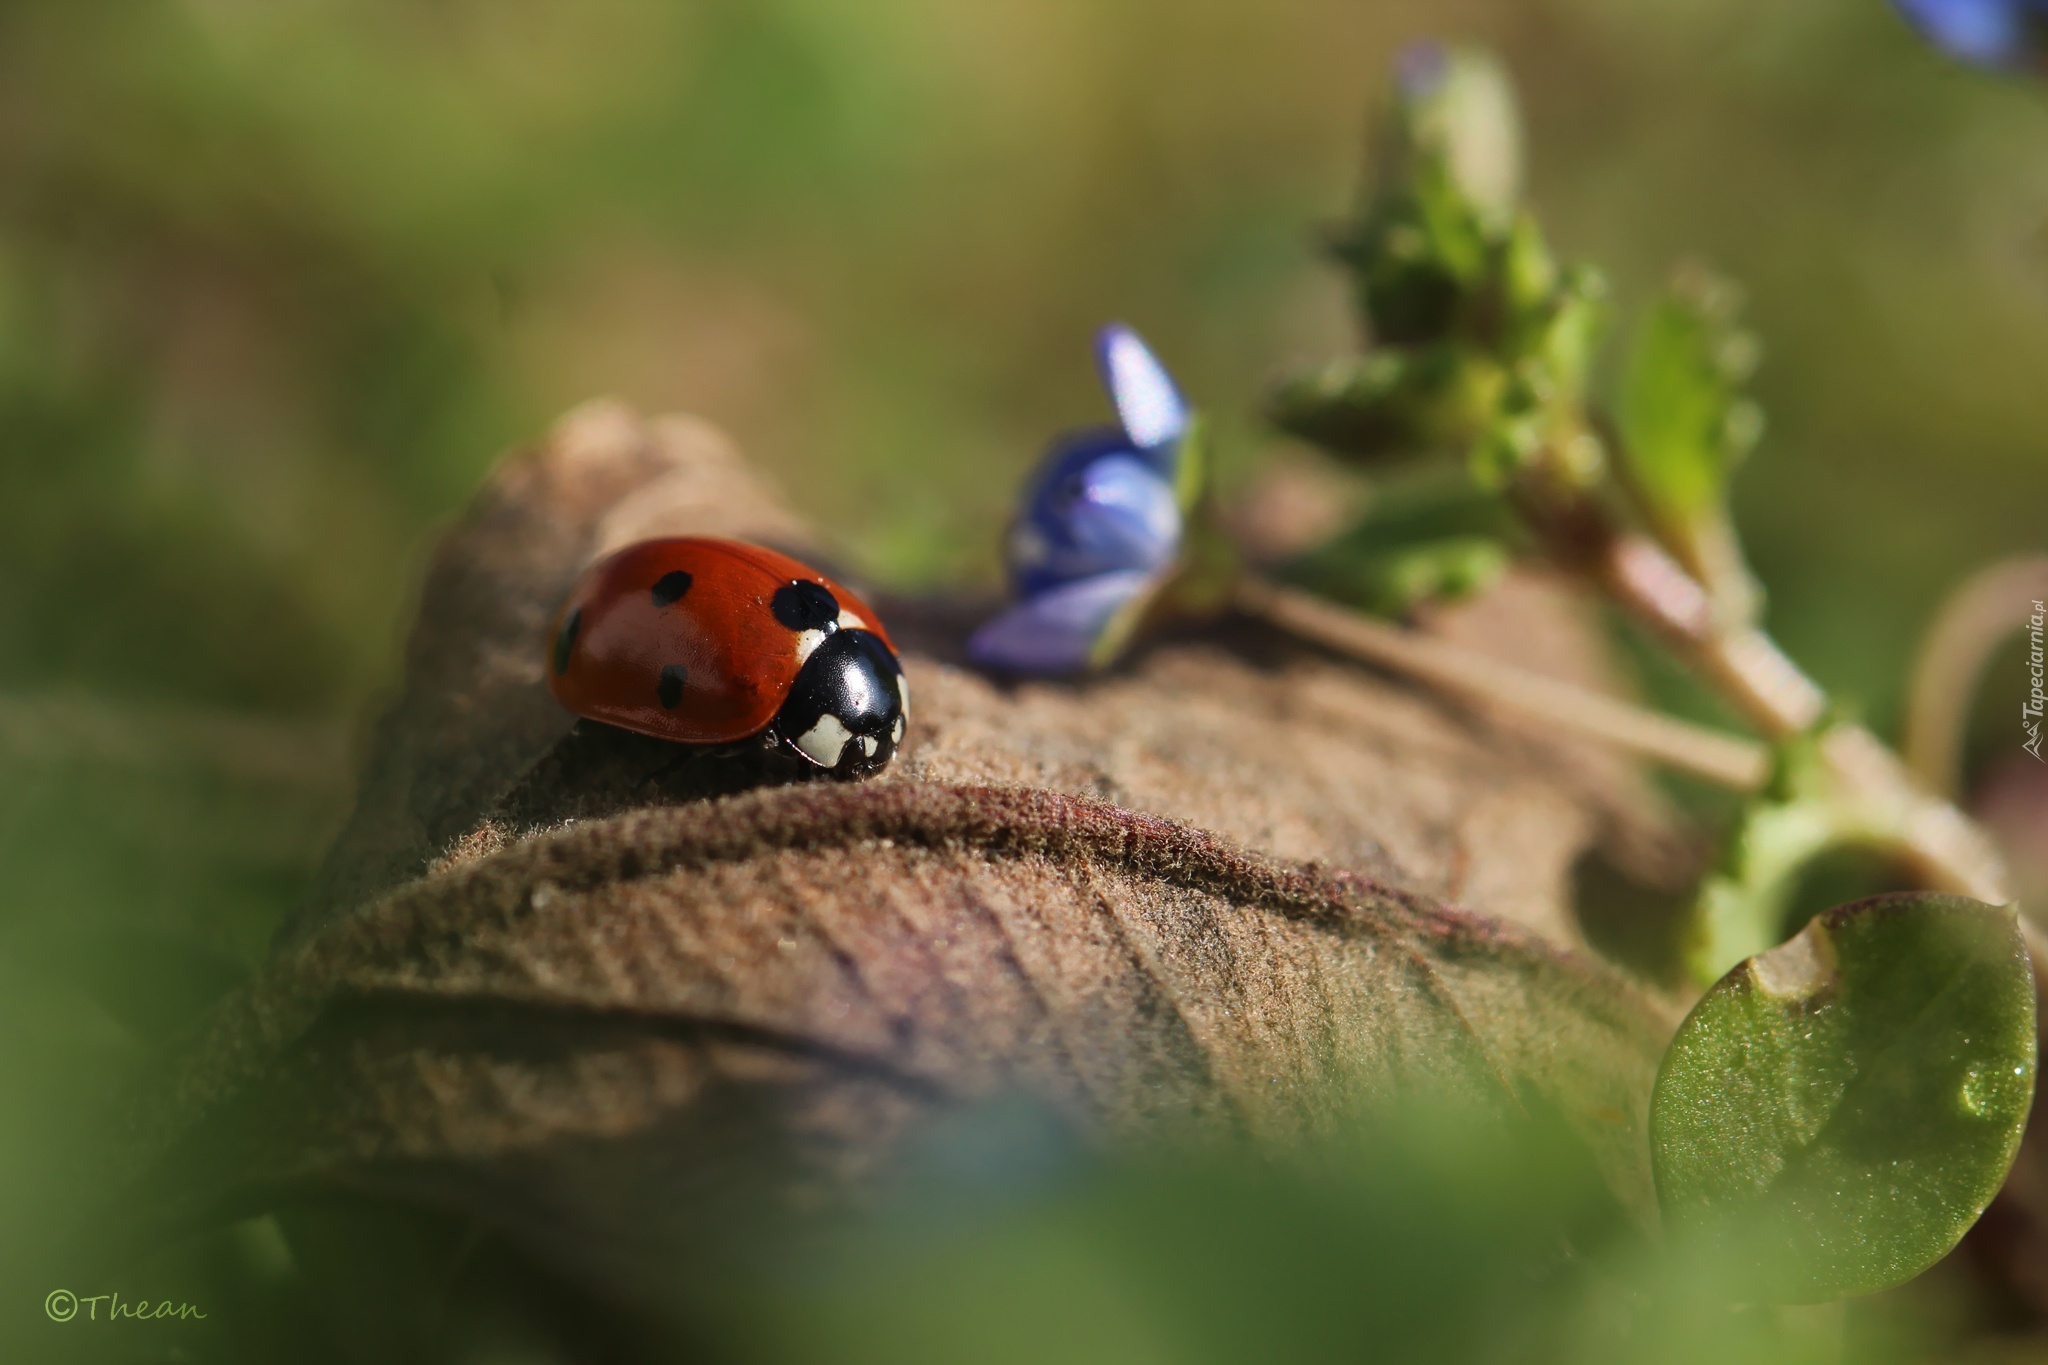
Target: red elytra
680, 638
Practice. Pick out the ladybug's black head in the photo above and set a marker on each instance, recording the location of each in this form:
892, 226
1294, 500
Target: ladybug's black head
847, 709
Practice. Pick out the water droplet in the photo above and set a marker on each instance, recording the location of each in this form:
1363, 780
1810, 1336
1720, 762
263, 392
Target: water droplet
1994, 1090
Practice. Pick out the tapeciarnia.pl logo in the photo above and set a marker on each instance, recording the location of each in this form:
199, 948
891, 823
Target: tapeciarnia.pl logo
2031, 708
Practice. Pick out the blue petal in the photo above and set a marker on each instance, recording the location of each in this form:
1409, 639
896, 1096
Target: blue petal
2001, 33
1094, 506
1055, 631
1147, 403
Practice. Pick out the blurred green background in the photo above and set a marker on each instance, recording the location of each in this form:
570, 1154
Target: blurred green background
278, 281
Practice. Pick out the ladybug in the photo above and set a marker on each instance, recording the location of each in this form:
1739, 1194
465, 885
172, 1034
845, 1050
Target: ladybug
717, 643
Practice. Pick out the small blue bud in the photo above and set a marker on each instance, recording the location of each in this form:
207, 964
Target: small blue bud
2005, 34
1421, 69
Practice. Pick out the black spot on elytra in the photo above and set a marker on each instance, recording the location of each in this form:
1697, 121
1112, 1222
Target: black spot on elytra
566, 641
670, 587
671, 687
803, 605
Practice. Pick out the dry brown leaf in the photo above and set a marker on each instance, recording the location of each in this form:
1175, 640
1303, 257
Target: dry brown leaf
554, 981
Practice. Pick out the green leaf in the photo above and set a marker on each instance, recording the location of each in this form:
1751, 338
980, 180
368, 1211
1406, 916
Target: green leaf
1421, 262
1740, 910
1683, 417
1442, 204
1191, 469
1455, 113
1529, 273
1443, 251
1394, 582
1742, 906
1424, 538
1568, 330
1835, 1114
1806, 813
1392, 402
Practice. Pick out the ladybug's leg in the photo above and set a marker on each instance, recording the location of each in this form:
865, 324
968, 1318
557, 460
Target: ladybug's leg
753, 747
683, 755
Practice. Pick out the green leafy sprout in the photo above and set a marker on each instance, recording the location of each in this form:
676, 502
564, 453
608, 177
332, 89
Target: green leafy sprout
1849, 1101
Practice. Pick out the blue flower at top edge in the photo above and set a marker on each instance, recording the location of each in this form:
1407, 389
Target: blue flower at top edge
1099, 521
2006, 34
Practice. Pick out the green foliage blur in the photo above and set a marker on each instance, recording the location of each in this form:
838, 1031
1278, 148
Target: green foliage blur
278, 281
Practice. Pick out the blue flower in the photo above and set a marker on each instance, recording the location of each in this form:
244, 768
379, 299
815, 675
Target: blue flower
1056, 631
1095, 506
2008, 34
1099, 527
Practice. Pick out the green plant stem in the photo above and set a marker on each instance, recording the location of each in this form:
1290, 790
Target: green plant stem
1647, 582
1941, 846
1741, 661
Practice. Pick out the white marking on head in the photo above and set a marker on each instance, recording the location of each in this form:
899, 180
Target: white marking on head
868, 745
825, 741
806, 641
848, 621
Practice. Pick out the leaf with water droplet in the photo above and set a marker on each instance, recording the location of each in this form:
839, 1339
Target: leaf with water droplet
1835, 1113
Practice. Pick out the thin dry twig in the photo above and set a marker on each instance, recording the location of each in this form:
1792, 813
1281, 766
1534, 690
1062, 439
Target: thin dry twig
1740, 764
1947, 851
1986, 610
